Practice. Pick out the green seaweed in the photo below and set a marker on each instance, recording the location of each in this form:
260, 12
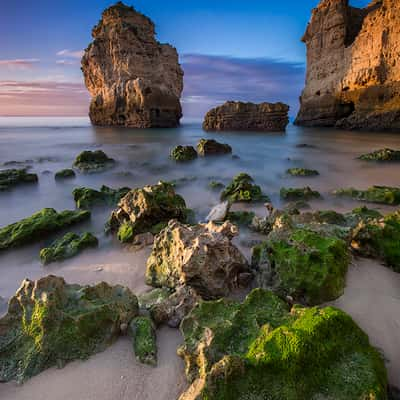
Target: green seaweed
302, 172
183, 153
382, 155
64, 174
86, 198
244, 218
144, 340
293, 194
375, 194
93, 161
243, 189
12, 177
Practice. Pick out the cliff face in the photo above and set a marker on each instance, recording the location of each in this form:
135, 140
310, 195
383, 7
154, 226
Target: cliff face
133, 79
353, 66
240, 116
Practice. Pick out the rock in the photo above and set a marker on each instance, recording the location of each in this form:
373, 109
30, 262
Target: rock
68, 246
13, 177
50, 323
260, 349
242, 188
305, 146
374, 194
381, 155
144, 340
93, 161
210, 147
87, 198
38, 226
134, 80
214, 185
201, 256
293, 194
353, 77
147, 210
64, 174
153, 297
302, 172
143, 239
238, 116
219, 212
183, 153
243, 218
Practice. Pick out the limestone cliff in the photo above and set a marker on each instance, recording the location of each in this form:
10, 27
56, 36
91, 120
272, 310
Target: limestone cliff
134, 80
353, 67
247, 117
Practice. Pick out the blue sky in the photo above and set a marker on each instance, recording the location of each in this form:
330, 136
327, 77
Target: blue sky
228, 49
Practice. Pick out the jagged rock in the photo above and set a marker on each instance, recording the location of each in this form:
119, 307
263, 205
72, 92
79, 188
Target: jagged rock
374, 194
38, 226
93, 161
238, 116
13, 177
260, 349
293, 194
219, 212
64, 174
382, 155
68, 246
242, 188
50, 323
143, 334
87, 198
201, 256
302, 172
353, 75
210, 147
183, 153
134, 80
147, 210
143, 239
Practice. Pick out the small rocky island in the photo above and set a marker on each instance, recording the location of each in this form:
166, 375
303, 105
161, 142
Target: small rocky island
134, 80
239, 116
353, 73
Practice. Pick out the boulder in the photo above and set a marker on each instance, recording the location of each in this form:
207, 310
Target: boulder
13, 177
241, 218
210, 147
219, 212
64, 174
242, 188
375, 194
93, 161
133, 79
183, 153
50, 323
239, 116
143, 334
382, 155
87, 198
201, 256
302, 172
294, 194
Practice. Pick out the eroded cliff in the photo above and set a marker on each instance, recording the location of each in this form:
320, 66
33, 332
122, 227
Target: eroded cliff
353, 67
133, 79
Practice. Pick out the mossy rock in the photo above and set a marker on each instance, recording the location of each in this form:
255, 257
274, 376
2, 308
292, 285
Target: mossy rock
244, 218
93, 161
309, 266
214, 185
302, 172
143, 335
294, 194
126, 232
50, 323
262, 350
210, 147
359, 214
153, 297
183, 153
375, 194
64, 174
13, 177
243, 189
384, 155
68, 246
86, 198
38, 226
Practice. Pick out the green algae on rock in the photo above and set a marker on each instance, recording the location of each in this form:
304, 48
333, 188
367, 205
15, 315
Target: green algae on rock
210, 147
293, 194
50, 323
13, 177
68, 246
302, 172
41, 224
244, 218
65, 174
147, 210
143, 334
93, 161
215, 185
382, 155
260, 349
242, 188
375, 194
183, 153
86, 198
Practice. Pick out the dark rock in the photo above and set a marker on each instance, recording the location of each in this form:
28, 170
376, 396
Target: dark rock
12, 177
86, 198
374, 194
93, 161
210, 147
293, 194
65, 174
183, 153
242, 188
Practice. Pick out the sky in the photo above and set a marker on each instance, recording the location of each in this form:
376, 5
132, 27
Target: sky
229, 50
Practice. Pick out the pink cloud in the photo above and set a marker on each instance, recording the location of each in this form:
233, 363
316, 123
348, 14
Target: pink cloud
19, 63
70, 53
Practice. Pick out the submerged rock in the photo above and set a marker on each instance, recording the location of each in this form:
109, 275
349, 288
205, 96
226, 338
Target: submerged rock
302, 172
38, 226
210, 147
293, 194
260, 349
147, 210
382, 155
143, 334
87, 198
133, 79
244, 218
215, 185
242, 188
374, 194
239, 116
93, 161
183, 153
13, 177
64, 174
68, 246
50, 323
201, 256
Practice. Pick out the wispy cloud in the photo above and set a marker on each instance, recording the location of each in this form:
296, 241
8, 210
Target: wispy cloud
66, 62
19, 63
70, 53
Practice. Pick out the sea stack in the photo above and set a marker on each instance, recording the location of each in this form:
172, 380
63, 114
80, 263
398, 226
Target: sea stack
238, 116
134, 80
353, 68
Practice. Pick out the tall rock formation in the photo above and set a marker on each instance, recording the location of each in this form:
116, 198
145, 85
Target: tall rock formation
353, 66
134, 80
